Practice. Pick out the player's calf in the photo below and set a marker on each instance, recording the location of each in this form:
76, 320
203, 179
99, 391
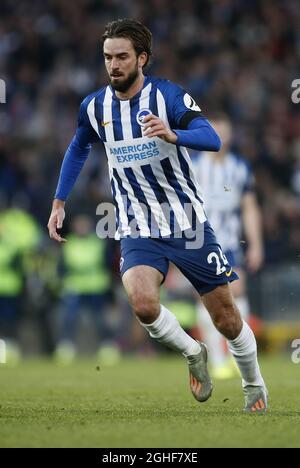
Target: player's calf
228, 321
223, 311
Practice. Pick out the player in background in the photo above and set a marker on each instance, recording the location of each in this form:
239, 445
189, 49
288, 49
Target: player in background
146, 124
230, 204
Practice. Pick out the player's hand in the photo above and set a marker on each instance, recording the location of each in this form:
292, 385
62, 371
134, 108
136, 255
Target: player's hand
153, 126
254, 258
56, 221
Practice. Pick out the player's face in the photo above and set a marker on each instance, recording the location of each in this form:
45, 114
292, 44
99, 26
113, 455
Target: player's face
121, 62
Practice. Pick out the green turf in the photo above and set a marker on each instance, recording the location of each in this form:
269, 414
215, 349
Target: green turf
141, 403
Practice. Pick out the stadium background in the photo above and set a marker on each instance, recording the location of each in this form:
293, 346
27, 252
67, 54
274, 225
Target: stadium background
238, 56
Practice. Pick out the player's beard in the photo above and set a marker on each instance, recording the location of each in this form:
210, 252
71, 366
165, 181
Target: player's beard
126, 83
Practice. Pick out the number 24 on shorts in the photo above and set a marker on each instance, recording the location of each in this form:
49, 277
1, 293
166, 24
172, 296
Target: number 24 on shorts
213, 257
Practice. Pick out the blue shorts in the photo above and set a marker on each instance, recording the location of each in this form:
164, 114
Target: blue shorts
205, 267
235, 258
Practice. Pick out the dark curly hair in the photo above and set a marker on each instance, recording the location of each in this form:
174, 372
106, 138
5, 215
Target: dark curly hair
139, 35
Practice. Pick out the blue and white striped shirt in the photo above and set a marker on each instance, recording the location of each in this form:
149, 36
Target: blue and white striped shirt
224, 182
152, 181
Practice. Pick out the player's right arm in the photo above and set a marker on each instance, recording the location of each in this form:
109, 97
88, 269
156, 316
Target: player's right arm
73, 162
56, 220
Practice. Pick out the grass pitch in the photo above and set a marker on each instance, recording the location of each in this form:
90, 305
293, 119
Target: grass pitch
141, 403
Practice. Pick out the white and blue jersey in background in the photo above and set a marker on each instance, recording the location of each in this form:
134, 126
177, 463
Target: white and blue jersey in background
224, 182
144, 172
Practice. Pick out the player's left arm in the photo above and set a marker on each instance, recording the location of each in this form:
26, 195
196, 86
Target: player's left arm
189, 127
154, 126
252, 223
198, 133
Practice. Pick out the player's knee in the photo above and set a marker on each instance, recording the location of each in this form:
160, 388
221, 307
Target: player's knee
145, 306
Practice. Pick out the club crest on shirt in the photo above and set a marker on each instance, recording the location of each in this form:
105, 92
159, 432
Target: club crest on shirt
190, 103
142, 113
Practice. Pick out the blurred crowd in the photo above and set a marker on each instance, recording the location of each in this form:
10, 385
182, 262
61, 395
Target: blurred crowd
239, 56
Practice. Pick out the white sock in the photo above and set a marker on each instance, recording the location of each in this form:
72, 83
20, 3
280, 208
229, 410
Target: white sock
214, 340
167, 330
244, 351
243, 306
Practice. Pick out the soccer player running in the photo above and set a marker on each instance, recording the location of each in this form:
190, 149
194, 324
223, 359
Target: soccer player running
227, 183
146, 124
